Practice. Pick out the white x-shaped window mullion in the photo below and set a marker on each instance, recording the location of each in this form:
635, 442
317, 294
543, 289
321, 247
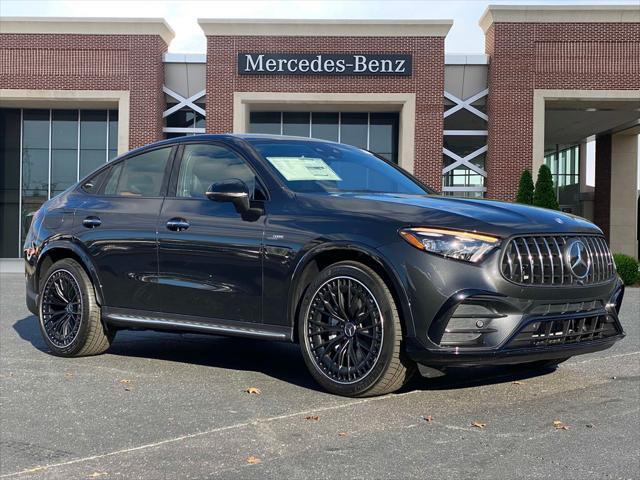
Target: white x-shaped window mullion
466, 104
183, 102
466, 161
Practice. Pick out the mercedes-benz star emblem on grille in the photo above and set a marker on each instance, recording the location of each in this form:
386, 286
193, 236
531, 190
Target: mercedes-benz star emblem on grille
578, 259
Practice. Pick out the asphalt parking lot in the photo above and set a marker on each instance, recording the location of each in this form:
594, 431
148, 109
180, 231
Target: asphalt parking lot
175, 406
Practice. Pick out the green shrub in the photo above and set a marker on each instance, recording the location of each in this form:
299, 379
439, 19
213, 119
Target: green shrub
545, 195
628, 268
525, 188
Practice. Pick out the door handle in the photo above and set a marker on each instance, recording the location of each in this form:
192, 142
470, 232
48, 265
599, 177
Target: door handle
92, 222
177, 224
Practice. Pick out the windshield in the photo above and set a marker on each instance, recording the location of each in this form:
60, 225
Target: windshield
324, 167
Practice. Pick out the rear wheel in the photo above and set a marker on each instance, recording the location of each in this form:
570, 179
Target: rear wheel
350, 333
70, 320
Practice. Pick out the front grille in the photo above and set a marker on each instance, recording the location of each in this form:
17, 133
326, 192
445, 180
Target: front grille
540, 260
561, 331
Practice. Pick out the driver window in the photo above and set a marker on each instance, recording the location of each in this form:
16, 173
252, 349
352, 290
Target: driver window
204, 164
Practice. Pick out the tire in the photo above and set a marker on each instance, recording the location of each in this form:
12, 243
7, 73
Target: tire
69, 315
335, 348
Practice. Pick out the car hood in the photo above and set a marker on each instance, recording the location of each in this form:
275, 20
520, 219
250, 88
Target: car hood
487, 216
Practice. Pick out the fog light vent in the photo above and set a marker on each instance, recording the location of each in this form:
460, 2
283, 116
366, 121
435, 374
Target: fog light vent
469, 324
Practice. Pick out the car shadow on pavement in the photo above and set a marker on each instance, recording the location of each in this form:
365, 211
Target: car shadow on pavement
276, 359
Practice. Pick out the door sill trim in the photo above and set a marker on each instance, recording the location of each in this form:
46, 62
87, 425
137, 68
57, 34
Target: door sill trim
163, 321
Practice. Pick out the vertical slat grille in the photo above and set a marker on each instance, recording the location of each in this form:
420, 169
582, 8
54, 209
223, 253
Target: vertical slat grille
540, 260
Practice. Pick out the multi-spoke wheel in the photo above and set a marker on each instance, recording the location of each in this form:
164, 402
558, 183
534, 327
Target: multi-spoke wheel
69, 314
61, 308
350, 332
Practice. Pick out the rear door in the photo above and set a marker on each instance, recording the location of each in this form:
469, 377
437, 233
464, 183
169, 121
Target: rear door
118, 226
210, 258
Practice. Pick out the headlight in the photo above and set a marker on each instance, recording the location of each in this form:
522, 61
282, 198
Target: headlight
468, 246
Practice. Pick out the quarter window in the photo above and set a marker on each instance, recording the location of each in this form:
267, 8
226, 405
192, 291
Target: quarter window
204, 164
139, 176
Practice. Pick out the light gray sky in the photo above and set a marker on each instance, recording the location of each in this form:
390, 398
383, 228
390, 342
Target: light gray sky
464, 37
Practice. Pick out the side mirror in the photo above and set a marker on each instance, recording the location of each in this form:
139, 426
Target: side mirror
234, 191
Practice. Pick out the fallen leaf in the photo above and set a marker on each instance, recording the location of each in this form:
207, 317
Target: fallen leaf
253, 391
68, 375
125, 381
97, 474
558, 425
342, 434
314, 418
478, 424
428, 419
518, 382
253, 460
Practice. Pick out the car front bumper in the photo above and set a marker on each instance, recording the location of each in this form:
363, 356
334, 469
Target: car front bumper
461, 314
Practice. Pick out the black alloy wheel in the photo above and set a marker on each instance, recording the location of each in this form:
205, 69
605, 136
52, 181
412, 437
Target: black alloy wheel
61, 308
70, 316
350, 332
345, 329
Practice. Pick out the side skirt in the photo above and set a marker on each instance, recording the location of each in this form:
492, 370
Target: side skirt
138, 319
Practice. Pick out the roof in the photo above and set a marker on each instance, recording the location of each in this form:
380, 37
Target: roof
324, 28
88, 26
559, 14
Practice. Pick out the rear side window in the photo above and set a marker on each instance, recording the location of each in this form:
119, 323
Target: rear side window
139, 176
204, 164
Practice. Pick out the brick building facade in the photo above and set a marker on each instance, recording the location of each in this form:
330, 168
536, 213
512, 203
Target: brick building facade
551, 79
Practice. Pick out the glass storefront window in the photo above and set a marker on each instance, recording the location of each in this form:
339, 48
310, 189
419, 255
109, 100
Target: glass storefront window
296, 124
45, 146
375, 131
266, 122
564, 165
64, 150
9, 180
354, 129
93, 140
324, 125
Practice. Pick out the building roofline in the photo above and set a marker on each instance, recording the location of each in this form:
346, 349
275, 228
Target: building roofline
465, 59
324, 27
558, 14
88, 26
173, 57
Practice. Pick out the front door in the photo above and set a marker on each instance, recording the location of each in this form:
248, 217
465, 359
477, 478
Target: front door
210, 258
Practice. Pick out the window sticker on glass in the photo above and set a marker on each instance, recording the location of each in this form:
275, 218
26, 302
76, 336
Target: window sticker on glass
303, 168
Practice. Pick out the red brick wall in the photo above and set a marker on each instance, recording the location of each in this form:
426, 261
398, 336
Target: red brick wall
427, 82
92, 62
528, 56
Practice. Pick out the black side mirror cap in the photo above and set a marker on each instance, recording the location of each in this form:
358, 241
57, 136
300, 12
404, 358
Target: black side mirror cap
235, 191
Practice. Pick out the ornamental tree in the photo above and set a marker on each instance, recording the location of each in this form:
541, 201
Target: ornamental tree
525, 188
545, 195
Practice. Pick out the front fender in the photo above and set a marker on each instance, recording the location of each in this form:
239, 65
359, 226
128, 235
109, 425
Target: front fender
373, 255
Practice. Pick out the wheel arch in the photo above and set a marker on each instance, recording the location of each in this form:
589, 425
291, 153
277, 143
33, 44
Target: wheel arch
61, 249
318, 258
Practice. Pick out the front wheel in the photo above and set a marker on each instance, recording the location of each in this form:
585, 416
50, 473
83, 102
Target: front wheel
70, 320
350, 332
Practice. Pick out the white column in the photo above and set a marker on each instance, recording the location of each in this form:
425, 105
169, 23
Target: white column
624, 194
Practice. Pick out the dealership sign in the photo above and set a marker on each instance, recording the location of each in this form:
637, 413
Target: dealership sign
323, 64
